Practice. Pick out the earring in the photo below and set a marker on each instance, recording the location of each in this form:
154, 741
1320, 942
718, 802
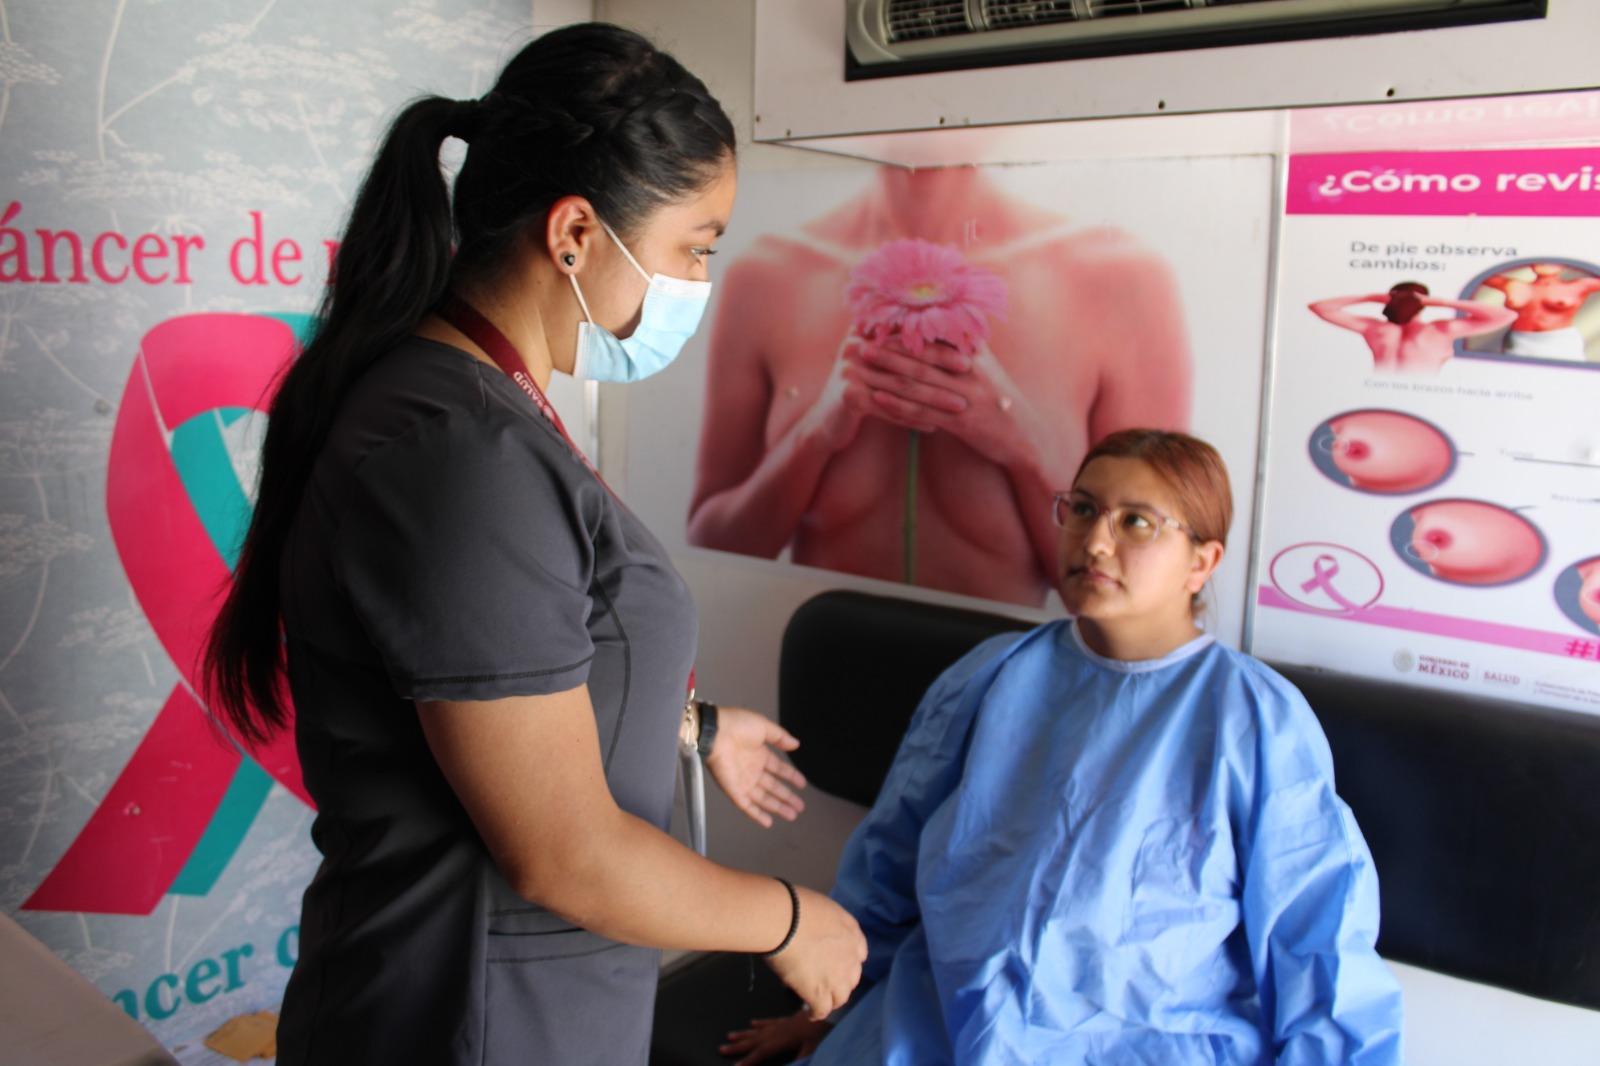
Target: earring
569, 259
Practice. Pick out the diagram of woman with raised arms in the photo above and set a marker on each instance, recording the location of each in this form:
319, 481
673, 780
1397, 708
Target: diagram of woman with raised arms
1401, 340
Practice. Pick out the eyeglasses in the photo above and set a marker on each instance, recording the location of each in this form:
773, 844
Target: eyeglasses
1131, 525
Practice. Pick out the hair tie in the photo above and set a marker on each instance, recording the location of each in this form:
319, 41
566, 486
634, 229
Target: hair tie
467, 119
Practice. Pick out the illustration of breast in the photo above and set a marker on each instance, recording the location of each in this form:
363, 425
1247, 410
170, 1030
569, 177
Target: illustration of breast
1589, 593
1475, 543
1386, 451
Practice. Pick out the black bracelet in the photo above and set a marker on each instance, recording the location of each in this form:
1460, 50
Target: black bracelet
708, 727
794, 919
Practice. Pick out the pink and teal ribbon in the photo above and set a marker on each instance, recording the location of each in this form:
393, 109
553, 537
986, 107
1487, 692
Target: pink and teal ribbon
178, 811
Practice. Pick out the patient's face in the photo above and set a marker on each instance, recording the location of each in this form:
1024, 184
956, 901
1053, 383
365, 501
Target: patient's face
1106, 578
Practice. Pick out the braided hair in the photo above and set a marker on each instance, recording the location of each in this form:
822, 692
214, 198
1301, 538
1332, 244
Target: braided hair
592, 110
637, 132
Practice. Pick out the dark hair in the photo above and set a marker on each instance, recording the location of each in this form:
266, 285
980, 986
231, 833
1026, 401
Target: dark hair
1405, 302
591, 110
1192, 469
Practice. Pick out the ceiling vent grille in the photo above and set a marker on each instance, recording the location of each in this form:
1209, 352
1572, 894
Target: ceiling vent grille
913, 36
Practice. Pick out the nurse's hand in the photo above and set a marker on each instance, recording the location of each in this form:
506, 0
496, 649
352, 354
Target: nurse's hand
746, 763
768, 1038
823, 964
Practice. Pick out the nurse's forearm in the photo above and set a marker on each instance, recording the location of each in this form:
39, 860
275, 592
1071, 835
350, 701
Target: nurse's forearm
758, 516
631, 882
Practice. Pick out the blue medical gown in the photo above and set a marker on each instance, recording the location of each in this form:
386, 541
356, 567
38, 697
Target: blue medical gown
1078, 860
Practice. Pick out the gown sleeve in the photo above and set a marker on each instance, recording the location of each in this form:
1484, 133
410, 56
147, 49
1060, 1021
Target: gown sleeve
877, 875
1311, 901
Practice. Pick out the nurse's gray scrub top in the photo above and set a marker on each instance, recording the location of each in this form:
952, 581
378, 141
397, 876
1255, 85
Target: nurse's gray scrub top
451, 546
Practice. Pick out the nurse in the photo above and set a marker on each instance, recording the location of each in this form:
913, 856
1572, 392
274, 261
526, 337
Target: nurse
487, 651
1112, 839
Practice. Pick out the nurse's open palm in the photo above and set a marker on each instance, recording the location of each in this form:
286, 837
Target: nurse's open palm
746, 762
822, 965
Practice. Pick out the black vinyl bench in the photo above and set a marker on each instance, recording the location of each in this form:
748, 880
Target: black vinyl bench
1483, 816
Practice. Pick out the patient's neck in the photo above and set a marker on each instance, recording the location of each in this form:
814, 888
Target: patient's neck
1137, 639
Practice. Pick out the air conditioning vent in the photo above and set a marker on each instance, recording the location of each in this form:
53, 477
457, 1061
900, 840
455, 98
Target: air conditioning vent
1007, 14
913, 36
917, 20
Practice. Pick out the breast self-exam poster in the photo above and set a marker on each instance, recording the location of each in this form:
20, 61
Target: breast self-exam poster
1432, 507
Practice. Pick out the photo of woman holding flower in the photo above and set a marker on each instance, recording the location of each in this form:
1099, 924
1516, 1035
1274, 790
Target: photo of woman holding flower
895, 388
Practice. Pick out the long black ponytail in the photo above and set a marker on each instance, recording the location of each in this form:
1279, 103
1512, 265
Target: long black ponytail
592, 110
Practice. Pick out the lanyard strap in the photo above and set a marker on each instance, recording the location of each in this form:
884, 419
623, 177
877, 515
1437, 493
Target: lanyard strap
487, 335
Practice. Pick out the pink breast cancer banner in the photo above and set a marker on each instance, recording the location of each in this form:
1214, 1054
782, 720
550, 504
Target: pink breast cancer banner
1432, 508
154, 816
1432, 470
1549, 182
1495, 633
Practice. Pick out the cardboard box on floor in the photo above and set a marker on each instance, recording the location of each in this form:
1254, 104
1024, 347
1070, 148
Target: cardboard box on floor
51, 1016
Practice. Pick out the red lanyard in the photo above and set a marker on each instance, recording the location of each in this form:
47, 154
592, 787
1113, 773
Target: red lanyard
487, 335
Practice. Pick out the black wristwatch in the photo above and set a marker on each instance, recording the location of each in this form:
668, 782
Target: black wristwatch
708, 727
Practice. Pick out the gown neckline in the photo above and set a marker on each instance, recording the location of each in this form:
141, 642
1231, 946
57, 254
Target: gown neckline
1139, 666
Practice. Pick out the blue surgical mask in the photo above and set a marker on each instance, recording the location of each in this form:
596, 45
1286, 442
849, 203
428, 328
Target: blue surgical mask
671, 312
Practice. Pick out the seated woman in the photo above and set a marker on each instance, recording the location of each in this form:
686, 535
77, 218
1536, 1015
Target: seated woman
1112, 840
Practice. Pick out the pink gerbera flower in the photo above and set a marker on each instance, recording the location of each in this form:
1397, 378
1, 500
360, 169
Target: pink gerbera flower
924, 292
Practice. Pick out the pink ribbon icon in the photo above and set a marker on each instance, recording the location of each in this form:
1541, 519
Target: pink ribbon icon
1324, 568
155, 814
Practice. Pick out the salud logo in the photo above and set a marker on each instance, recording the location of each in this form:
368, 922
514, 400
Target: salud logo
178, 506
